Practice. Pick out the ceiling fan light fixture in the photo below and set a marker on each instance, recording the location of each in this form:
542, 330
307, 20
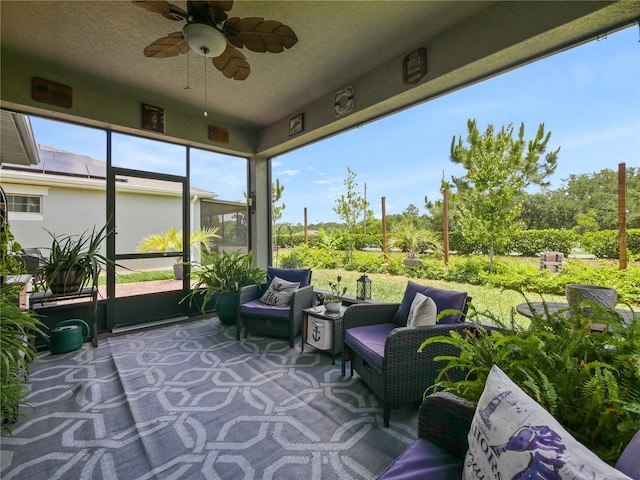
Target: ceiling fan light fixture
204, 39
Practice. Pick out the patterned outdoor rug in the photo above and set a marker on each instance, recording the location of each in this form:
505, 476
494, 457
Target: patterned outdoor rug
187, 401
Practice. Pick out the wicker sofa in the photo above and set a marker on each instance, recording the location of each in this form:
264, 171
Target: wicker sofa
438, 453
384, 352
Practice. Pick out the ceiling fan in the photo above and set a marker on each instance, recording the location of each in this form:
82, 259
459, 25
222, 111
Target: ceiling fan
209, 32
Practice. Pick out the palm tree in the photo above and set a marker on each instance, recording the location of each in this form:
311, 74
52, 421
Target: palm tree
411, 239
171, 241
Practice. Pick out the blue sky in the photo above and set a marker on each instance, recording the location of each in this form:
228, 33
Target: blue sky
587, 97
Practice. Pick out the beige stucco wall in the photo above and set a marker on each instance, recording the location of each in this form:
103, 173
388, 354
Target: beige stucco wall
74, 209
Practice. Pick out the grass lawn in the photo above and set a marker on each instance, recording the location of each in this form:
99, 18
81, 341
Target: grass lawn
390, 288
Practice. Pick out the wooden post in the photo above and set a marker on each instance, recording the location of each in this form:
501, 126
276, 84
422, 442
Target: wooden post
622, 214
306, 230
384, 230
445, 224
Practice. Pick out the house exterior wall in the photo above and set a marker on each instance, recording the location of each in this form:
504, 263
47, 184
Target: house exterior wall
64, 211
74, 209
139, 215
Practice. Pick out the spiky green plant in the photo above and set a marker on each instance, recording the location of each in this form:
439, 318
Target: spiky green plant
171, 241
224, 272
588, 380
74, 259
413, 240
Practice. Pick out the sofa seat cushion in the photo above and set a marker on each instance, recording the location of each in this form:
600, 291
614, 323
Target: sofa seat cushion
369, 341
255, 308
444, 300
424, 460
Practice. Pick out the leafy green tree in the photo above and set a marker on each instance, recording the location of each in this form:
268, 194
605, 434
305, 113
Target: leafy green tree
436, 211
567, 206
547, 209
349, 208
587, 222
276, 211
498, 169
276, 195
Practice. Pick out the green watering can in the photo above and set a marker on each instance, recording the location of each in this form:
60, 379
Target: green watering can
68, 336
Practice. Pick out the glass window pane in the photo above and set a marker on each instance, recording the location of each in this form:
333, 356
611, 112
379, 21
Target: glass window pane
148, 155
220, 182
72, 166
149, 215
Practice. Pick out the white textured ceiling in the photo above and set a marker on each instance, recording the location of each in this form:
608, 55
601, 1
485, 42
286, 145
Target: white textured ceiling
337, 41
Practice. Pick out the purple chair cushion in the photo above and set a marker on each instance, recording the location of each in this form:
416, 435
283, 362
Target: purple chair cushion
424, 460
369, 341
255, 308
628, 462
444, 299
303, 276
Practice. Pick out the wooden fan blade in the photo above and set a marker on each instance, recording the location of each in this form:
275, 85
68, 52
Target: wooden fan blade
232, 63
169, 46
260, 35
218, 8
163, 8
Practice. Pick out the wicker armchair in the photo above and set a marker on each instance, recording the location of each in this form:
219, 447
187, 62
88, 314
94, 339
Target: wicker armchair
274, 321
438, 453
385, 353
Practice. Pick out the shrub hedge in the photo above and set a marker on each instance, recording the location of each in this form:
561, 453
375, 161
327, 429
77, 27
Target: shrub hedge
509, 272
602, 244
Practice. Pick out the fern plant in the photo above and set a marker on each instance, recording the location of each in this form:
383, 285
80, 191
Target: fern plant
589, 380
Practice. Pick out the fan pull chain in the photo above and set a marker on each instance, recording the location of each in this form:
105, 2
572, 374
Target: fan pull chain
187, 87
205, 85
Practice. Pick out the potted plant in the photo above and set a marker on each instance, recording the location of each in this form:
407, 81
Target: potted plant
222, 278
171, 241
588, 380
333, 300
74, 261
411, 239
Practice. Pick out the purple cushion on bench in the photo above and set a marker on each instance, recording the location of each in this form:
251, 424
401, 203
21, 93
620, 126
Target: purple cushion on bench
444, 299
369, 341
255, 308
424, 460
628, 462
